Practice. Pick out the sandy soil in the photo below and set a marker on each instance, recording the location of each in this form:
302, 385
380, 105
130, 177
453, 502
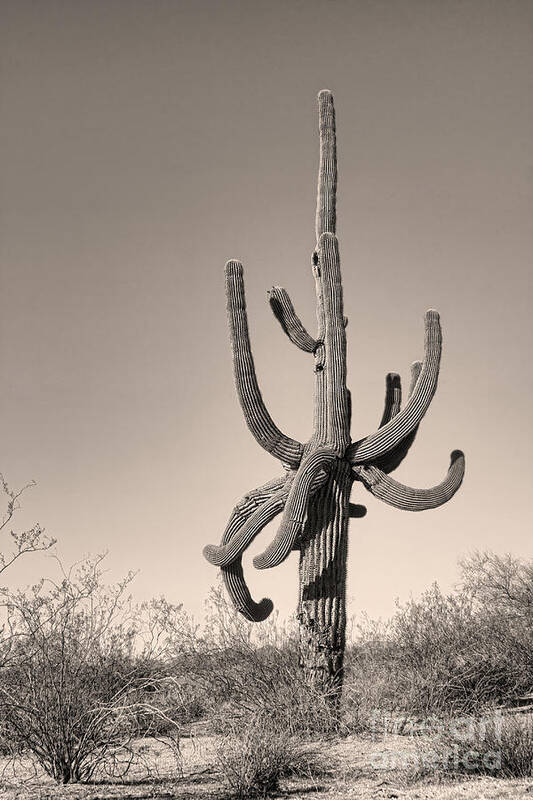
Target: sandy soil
362, 769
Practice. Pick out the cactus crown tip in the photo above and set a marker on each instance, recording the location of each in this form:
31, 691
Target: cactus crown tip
233, 267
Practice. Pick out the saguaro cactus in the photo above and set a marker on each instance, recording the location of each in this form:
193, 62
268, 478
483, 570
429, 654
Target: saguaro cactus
313, 494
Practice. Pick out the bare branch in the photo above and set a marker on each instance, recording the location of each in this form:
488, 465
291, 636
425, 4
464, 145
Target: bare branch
29, 541
12, 499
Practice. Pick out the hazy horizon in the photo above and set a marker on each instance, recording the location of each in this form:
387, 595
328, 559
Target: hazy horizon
142, 146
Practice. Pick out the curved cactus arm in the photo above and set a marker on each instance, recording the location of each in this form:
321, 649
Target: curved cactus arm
416, 369
392, 434
393, 397
233, 575
259, 421
390, 461
334, 341
283, 309
326, 215
225, 554
310, 472
396, 494
240, 596
356, 511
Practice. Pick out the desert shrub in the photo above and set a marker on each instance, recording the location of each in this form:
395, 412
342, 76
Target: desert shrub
254, 759
164, 634
504, 583
455, 653
411, 663
19, 543
74, 693
496, 745
443, 654
238, 670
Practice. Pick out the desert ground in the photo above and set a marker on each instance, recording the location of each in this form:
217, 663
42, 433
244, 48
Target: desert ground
359, 768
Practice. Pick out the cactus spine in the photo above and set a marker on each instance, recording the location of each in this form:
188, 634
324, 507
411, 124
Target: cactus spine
313, 494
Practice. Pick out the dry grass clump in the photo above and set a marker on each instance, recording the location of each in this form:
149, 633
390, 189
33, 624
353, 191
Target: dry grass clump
254, 759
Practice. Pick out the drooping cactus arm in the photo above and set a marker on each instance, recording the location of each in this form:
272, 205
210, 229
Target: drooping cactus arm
396, 494
390, 435
225, 554
259, 421
356, 511
240, 596
251, 501
393, 397
312, 470
233, 575
334, 342
390, 461
283, 309
326, 216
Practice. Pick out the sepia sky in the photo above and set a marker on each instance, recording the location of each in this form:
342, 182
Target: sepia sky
143, 144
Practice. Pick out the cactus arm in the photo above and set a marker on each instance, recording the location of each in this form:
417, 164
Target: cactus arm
310, 471
394, 432
326, 216
416, 369
226, 554
240, 596
259, 421
393, 397
283, 309
404, 497
390, 461
335, 342
356, 511
233, 575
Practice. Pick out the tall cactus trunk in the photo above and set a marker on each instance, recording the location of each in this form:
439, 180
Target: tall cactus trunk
322, 599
